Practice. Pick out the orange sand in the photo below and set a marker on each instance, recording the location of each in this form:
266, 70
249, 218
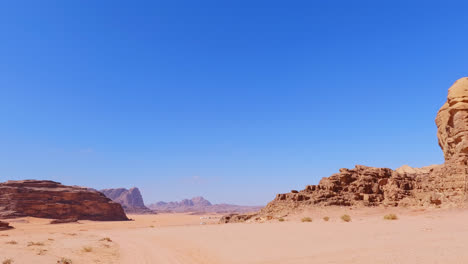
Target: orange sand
437, 236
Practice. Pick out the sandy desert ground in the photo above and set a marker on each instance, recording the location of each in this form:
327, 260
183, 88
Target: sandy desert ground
418, 236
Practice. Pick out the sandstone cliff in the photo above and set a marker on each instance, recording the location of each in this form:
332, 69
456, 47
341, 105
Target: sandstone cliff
48, 199
437, 185
131, 200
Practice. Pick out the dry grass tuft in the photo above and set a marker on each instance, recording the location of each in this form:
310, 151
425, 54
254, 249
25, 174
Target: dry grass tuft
391, 217
30, 244
326, 218
107, 239
87, 249
346, 218
8, 261
306, 219
12, 242
64, 261
42, 252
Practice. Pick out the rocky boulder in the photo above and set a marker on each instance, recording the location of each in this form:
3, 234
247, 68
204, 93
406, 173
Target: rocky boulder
48, 199
4, 226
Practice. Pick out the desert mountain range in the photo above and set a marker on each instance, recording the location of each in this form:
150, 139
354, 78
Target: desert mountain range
442, 185
130, 199
200, 205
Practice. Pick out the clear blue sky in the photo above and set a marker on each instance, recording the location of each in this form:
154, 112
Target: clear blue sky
232, 100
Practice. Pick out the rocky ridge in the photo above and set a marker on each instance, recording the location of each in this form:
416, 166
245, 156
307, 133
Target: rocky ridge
200, 205
131, 200
442, 185
49, 199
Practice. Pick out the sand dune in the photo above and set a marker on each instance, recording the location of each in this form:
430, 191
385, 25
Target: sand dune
438, 236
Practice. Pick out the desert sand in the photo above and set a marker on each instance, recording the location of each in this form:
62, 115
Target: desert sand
418, 236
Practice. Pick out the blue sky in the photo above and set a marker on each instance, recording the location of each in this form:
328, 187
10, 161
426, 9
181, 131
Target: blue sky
232, 100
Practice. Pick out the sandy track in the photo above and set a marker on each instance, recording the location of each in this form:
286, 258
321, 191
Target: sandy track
429, 237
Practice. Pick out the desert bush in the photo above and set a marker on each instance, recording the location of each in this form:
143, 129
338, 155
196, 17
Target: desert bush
42, 252
106, 239
7, 261
12, 242
391, 217
346, 218
306, 219
87, 249
326, 218
64, 261
281, 219
30, 244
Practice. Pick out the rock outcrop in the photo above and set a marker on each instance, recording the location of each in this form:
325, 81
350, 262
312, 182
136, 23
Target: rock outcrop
131, 200
4, 226
200, 205
48, 199
437, 185
452, 123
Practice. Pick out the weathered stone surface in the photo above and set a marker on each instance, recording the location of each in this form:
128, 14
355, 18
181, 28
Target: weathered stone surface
452, 123
131, 200
4, 226
436, 185
48, 199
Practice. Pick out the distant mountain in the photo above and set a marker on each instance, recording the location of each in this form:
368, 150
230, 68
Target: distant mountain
201, 205
131, 200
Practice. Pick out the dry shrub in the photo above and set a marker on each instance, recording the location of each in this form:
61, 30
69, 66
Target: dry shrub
346, 218
87, 249
30, 244
106, 239
391, 217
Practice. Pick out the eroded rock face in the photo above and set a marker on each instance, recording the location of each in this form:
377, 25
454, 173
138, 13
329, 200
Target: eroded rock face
4, 226
452, 123
131, 200
48, 199
437, 185
361, 186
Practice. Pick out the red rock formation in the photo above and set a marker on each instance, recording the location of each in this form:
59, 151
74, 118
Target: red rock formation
48, 199
4, 226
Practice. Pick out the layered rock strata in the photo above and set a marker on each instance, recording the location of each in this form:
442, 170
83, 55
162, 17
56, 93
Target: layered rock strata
48, 199
437, 185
